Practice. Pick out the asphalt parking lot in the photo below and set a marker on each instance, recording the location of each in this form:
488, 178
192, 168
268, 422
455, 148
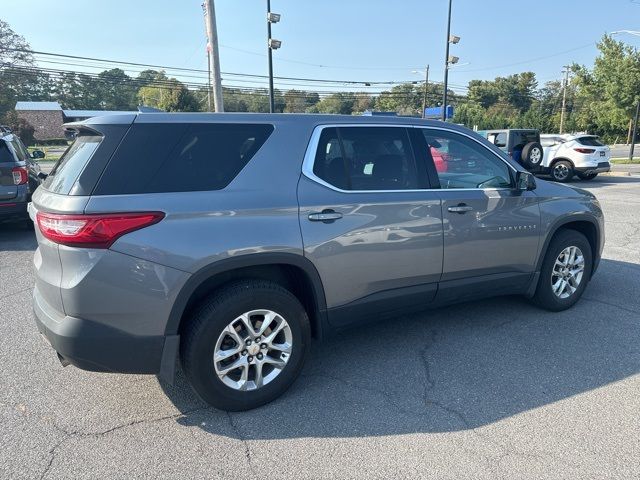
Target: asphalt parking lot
491, 389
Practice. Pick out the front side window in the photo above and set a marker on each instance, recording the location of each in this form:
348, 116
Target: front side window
366, 158
463, 163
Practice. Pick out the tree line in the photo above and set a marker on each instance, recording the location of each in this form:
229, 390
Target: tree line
599, 100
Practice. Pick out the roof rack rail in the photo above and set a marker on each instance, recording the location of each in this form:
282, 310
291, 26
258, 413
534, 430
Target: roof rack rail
145, 109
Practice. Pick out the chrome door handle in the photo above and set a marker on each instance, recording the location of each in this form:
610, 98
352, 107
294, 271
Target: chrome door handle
462, 208
325, 216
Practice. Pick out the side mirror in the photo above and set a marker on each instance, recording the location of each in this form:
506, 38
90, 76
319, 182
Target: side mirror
42, 175
37, 154
525, 181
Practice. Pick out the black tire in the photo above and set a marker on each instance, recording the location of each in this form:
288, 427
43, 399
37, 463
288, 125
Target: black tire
562, 171
199, 338
544, 296
532, 155
584, 176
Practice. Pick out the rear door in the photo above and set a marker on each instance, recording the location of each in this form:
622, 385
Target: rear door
368, 223
491, 230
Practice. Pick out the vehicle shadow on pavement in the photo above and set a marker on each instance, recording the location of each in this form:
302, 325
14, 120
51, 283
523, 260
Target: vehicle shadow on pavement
17, 236
455, 368
605, 181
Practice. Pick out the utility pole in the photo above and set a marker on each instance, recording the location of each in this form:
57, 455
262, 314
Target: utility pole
564, 97
426, 86
215, 78
446, 67
635, 131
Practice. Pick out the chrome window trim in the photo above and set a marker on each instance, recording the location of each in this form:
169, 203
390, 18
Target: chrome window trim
312, 148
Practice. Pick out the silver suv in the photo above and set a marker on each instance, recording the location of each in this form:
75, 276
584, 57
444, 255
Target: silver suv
228, 241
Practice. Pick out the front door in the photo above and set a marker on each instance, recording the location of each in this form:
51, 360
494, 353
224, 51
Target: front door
368, 223
491, 230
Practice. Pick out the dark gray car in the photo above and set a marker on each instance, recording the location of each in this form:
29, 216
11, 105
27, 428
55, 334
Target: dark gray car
19, 177
228, 241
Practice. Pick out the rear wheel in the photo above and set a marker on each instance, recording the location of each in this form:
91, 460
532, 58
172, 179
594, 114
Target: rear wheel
562, 171
565, 271
245, 345
585, 176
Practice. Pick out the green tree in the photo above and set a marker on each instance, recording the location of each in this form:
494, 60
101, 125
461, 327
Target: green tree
167, 94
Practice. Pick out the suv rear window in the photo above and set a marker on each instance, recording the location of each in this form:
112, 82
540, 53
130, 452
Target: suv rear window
156, 158
590, 142
70, 166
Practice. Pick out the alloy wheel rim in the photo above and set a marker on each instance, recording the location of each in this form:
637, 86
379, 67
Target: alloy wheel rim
567, 273
535, 155
561, 171
253, 350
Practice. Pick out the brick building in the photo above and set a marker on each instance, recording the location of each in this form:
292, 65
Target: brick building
47, 118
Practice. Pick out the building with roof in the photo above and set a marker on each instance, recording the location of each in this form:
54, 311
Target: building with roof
48, 118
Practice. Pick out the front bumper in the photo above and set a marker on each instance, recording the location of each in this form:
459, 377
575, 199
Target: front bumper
600, 168
97, 347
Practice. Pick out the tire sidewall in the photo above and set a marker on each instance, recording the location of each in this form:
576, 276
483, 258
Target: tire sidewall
526, 154
203, 376
568, 177
544, 293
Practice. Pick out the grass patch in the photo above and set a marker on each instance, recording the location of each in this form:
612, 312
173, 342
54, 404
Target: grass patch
635, 161
51, 153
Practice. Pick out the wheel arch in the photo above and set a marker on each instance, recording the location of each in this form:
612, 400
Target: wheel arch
557, 159
581, 223
294, 272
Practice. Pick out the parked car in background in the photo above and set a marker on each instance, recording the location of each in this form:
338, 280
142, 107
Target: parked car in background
228, 241
523, 145
4, 129
20, 175
574, 154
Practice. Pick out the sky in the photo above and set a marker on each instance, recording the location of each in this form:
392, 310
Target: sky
355, 40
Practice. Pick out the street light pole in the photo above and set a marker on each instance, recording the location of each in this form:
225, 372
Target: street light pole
426, 86
635, 132
272, 105
446, 67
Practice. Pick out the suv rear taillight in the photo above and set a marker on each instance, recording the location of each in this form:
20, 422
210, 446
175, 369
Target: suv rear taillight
585, 150
95, 230
20, 175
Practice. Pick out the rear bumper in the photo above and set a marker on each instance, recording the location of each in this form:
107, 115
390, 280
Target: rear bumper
99, 348
11, 209
600, 168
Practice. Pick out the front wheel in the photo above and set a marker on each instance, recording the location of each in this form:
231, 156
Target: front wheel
562, 171
587, 176
565, 272
245, 345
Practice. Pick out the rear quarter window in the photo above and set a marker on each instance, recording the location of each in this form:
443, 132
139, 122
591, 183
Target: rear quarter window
70, 166
156, 158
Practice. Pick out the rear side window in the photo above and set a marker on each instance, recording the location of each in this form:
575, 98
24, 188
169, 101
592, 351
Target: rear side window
590, 142
5, 155
366, 158
70, 166
156, 158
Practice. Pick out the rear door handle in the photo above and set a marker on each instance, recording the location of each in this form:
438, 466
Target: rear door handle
326, 216
461, 208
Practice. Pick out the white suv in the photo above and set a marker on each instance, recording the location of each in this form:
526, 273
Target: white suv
574, 154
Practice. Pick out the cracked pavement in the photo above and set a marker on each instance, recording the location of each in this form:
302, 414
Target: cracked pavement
490, 389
